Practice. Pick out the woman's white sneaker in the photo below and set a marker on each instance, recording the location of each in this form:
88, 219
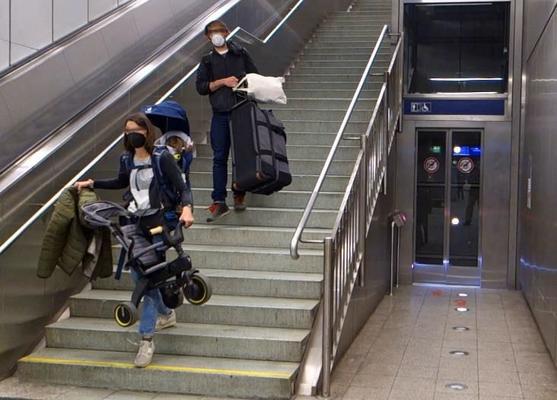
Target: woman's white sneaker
166, 321
145, 353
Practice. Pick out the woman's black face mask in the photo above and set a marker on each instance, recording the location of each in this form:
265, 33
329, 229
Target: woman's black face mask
135, 139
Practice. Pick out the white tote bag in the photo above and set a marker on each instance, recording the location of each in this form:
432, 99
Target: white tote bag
263, 89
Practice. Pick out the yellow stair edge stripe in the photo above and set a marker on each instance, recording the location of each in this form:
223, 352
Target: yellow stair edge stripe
155, 367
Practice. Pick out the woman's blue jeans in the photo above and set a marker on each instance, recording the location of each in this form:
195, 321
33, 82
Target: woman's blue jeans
152, 307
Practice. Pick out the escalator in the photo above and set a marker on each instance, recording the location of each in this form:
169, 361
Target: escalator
250, 339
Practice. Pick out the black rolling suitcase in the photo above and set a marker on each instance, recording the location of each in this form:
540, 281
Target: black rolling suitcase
259, 161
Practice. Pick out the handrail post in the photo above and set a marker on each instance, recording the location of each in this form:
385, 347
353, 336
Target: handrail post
386, 131
327, 316
363, 211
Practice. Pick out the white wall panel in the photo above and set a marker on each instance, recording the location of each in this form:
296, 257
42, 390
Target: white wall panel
31, 23
98, 8
19, 52
5, 20
68, 15
4, 54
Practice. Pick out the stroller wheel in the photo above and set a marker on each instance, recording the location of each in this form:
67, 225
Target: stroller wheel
172, 296
198, 291
125, 314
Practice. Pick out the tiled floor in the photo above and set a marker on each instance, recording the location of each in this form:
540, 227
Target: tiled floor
403, 352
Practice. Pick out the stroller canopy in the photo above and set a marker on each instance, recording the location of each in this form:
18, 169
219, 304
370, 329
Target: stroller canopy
168, 116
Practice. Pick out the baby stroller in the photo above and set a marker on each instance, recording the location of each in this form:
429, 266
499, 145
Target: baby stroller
145, 239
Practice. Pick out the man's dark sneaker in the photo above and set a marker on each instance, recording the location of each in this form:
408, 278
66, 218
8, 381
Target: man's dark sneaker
239, 202
217, 210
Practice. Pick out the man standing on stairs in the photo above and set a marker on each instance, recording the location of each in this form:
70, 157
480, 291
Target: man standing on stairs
219, 72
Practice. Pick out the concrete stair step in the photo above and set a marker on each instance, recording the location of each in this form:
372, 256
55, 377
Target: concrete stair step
281, 217
371, 32
315, 138
331, 94
347, 69
364, 16
243, 283
332, 77
338, 41
166, 374
300, 151
220, 309
343, 55
324, 102
358, 12
309, 167
245, 256
275, 242
323, 114
320, 48
369, 21
201, 340
306, 182
363, 34
330, 88
321, 126
358, 63
364, 47
283, 199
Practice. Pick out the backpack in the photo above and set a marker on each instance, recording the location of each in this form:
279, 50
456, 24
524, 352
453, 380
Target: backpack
171, 118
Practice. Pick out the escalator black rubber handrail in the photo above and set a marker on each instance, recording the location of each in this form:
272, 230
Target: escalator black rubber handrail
13, 237
71, 37
156, 53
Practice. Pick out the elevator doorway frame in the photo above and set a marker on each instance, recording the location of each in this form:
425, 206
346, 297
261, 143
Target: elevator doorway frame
447, 273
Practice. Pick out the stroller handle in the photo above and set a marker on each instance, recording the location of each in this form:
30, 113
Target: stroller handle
174, 237
156, 230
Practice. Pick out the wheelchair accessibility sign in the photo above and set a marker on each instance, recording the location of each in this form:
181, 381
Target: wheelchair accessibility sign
420, 107
431, 165
465, 165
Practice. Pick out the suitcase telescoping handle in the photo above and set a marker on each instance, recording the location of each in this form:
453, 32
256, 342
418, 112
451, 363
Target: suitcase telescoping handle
241, 98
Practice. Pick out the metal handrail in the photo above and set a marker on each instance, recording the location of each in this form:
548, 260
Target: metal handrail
344, 249
297, 238
60, 135
4, 246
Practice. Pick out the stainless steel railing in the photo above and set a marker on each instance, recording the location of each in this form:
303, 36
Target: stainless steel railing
344, 248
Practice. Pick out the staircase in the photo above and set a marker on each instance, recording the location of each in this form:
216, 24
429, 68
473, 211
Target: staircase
249, 339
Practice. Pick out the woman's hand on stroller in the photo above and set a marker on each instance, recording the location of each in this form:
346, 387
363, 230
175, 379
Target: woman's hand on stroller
84, 184
186, 217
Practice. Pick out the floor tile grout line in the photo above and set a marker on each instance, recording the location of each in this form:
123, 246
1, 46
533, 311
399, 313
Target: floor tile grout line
408, 342
476, 308
512, 347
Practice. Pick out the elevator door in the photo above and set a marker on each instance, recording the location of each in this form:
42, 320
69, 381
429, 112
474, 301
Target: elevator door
447, 207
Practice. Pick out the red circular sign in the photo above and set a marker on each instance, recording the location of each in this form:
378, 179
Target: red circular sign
431, 165
465, 165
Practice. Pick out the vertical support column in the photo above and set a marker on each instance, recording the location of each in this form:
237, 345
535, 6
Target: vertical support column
386, 131
391, 281
327, 315
400, 78
363, 211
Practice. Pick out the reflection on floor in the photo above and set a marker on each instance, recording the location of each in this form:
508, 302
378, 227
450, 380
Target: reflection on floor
417, 344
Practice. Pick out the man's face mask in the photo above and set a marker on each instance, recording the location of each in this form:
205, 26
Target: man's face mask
218, 40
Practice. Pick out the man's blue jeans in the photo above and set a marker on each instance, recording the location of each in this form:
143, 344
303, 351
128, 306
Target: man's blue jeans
220, 143
152, 307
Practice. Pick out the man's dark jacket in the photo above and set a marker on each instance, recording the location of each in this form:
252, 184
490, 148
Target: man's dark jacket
237, 62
